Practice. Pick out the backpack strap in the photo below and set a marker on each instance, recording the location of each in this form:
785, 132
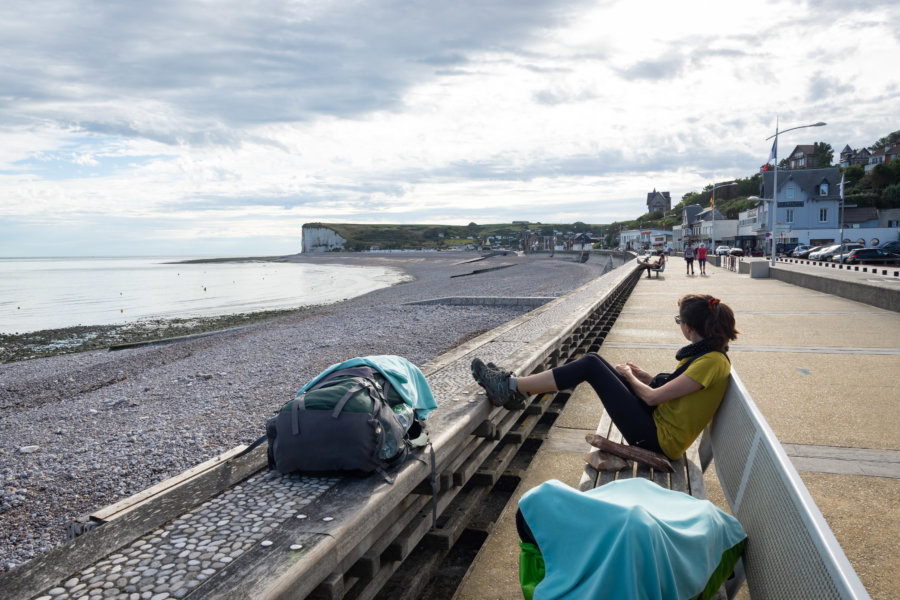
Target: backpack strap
251, 447
386, 388
363, 384
295, 414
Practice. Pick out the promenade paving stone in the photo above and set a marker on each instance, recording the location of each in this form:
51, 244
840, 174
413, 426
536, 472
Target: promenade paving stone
822, 369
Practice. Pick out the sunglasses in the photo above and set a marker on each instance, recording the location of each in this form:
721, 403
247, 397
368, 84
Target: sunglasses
678, 319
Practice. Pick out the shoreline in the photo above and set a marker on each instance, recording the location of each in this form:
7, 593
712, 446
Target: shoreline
45, 343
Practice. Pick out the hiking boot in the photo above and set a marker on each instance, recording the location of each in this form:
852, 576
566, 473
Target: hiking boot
494, 381
517, 401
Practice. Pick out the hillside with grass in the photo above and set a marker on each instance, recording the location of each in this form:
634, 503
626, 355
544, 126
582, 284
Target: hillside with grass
362, 237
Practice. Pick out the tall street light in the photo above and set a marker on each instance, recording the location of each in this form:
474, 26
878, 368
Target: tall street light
713, 233
775, 175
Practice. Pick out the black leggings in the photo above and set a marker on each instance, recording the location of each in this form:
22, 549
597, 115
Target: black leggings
631, 415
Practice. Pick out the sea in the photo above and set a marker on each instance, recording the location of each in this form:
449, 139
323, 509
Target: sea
54, 293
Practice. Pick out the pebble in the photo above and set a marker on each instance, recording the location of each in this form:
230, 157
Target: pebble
160, 427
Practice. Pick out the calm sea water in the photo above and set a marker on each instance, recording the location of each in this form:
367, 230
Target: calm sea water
51, 293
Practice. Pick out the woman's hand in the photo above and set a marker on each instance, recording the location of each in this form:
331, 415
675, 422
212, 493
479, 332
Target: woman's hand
640, 374
678, 387
626, 371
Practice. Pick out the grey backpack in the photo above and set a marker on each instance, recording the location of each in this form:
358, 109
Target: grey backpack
350, 420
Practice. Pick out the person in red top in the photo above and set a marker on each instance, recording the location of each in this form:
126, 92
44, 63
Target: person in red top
701, 258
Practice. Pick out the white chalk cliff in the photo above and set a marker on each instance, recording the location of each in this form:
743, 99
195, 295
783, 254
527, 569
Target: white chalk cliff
321, 239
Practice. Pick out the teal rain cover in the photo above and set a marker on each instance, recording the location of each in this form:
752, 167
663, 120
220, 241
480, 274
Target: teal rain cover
626, 539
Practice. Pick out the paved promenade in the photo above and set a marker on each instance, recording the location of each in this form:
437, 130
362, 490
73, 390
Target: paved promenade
823, 370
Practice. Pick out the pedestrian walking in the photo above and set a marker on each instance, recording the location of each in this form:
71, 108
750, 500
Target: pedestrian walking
689, 259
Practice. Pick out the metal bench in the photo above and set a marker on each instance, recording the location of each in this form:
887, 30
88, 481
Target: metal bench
791, 552
651, 269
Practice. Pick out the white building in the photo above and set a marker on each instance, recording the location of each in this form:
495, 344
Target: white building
646, 239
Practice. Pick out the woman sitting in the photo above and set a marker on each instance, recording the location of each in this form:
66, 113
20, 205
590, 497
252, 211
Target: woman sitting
666, 417
655, 265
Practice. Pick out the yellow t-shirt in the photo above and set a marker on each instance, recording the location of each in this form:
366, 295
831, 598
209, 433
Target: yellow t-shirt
680, 421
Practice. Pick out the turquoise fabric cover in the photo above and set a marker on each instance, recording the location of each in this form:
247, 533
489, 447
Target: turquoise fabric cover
406, 378
626, 539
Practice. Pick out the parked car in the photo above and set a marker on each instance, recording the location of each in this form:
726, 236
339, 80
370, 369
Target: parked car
722, 250
799, 249
872, 256
817, 255
890, 246
785, 249
736, 252
838, 250
808, 253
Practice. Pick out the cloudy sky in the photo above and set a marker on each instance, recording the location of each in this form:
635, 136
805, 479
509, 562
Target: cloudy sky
220, 127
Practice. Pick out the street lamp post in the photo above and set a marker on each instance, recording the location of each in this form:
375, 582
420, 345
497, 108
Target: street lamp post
713, 232
775, 175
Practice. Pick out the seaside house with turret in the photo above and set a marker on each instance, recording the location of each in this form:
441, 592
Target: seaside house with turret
851, 157
659, 201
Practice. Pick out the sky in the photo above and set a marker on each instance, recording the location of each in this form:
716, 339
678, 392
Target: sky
180, 127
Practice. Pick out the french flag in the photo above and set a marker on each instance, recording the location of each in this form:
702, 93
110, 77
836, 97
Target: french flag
772, 155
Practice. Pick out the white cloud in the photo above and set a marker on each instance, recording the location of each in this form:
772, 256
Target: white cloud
225, 125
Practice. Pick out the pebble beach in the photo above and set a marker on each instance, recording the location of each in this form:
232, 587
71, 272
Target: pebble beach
81, 431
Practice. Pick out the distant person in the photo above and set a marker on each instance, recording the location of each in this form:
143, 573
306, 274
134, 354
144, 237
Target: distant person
663, 414
701, 258
654, 265
689, 259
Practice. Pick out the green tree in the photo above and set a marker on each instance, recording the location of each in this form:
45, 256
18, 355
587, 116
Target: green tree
882, 176
853, 174
891, 196
692, 198
891, 138
748, 186
823, 154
